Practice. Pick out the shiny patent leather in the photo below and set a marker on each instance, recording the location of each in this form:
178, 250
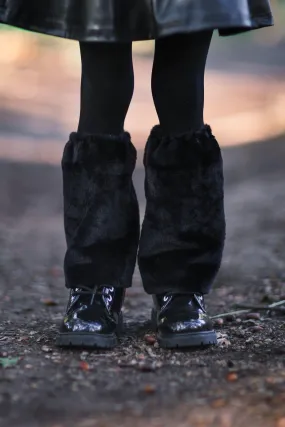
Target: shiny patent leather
181, 320
127, 20
93, 318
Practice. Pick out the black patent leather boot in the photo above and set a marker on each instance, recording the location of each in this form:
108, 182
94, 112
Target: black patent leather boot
93, 318
181, 321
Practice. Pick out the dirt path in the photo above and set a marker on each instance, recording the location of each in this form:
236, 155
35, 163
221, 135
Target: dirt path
241, 382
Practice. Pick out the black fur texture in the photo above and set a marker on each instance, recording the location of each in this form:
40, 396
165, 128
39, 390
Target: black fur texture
101, 213
183, 232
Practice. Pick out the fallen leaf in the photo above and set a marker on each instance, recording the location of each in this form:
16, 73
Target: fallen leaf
218, 403
149, 389
49, 302
232, 376
6, 362
84, 366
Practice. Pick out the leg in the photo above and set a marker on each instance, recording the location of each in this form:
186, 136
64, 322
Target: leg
178, 81
184, 227
107, 87
101, 214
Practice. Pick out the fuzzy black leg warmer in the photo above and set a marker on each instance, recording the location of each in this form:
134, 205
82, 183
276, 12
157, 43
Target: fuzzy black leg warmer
101, 213
183, 232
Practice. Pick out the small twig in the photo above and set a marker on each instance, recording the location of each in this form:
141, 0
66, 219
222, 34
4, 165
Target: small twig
260, 308
276, 304
248, 309
230, 313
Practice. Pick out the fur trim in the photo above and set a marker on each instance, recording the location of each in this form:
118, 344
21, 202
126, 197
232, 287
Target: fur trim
183, 232
101, 213
101, 153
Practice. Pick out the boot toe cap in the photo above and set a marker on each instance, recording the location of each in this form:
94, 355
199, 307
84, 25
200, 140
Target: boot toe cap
80, 325
183, 326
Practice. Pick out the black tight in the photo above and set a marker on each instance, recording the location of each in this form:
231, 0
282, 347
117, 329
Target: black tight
107, 87
178, 80
177, 83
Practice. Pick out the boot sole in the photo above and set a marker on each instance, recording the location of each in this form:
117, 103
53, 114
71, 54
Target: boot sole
90, 340
191, 339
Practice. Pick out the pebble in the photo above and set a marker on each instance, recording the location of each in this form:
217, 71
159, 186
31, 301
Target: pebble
253, 316
146, 367
219, 322
257, 329
150, 339
150, 352
250, 322
46, 349
83, 355
230, 318
221, 335
240, 334
224, 342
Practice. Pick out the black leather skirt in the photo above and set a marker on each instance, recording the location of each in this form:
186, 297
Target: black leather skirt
130, 20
